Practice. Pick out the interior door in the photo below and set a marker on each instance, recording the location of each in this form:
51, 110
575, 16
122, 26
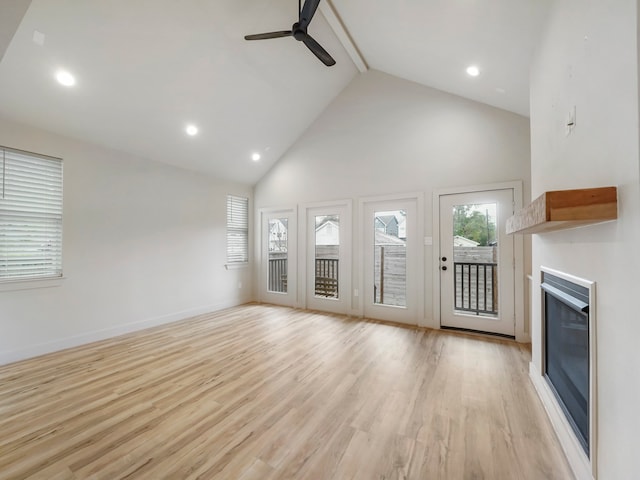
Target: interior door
390, 259
278, 277
328, 253
477, 262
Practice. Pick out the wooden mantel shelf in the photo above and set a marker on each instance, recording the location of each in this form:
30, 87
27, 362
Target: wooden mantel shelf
563, 209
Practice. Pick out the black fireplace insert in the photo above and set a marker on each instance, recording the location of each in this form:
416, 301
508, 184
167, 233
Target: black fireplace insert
566, 320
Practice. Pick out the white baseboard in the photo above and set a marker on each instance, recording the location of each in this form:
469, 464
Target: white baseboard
97, 335
578, 461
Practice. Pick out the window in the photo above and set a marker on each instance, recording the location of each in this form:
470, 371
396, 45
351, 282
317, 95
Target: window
30, 215
237, 229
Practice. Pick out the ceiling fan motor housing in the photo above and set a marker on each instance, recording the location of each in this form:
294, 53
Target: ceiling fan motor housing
298, 33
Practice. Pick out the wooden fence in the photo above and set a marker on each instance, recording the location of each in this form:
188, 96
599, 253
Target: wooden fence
390, 275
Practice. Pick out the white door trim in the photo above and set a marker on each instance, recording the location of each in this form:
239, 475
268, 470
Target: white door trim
521, 282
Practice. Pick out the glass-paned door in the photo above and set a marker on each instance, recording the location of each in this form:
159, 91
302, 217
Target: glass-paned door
477, 262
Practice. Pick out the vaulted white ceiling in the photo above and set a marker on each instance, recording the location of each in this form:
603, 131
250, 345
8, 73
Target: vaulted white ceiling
147, 68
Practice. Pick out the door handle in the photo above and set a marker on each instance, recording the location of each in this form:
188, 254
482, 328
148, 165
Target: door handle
444, 267
444, 259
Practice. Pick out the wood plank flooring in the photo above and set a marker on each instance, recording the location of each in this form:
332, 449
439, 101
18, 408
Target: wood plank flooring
265, 392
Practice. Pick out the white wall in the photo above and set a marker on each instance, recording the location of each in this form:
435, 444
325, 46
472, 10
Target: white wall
144, 243
383, 135
588, 58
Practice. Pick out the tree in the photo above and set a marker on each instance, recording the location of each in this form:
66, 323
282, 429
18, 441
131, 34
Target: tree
471, 223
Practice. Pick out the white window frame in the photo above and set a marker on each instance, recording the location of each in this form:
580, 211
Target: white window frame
237, 231
31, 212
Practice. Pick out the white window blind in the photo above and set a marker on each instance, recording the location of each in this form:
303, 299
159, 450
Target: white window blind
237, 229
30, 215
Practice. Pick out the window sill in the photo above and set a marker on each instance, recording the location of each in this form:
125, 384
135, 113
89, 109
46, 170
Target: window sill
234, 266
31, 283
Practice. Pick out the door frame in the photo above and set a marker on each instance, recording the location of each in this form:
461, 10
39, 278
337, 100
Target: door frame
522, 334
346, 247
359, 239
503, 323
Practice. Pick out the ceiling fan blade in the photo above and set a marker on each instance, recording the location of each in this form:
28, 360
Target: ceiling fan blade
265, 36
318, 51
308, 11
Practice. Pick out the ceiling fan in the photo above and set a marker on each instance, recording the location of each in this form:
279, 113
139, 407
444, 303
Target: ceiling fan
299, 32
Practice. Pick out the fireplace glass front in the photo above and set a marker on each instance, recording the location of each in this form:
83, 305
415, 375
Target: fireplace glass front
566, 316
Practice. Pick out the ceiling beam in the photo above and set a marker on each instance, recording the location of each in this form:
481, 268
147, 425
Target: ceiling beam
12, 13
330, 13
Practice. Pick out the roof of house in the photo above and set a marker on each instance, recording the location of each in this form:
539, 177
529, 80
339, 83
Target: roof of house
383, 239
387, 219
461, 241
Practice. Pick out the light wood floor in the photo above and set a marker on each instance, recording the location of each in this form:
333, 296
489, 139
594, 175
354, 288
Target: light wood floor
263, 392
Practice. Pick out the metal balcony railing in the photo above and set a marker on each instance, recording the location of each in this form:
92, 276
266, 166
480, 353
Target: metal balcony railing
326, 276
476, 287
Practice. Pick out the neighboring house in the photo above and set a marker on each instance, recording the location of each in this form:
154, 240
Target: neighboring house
460, 241
328, 233
402, 227
278, 236
387, 224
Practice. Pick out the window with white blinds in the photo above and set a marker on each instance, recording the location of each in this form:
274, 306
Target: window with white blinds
30, 215
237, 229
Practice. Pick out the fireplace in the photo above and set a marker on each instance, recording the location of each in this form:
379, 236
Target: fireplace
568, 363
566, 327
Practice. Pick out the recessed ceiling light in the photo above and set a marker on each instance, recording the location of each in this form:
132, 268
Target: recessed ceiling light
255, 157
65, 78
191, 130
473, 71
